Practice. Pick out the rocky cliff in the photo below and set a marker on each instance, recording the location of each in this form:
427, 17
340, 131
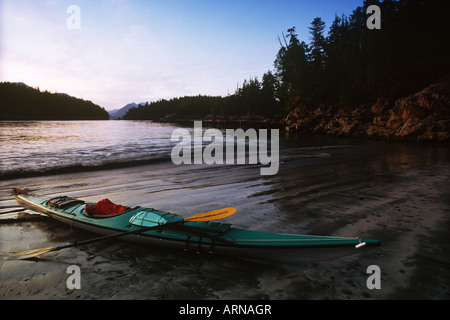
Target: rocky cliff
424, 116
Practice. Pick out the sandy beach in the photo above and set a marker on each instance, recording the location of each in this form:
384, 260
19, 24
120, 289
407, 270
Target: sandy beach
397, 193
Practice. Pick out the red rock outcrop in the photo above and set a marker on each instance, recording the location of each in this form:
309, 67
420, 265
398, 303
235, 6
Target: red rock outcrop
424, 116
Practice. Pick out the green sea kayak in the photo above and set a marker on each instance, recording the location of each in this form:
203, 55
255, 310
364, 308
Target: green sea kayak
158, 228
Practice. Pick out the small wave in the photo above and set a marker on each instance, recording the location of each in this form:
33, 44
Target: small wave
74, 168
314, 148
315, 155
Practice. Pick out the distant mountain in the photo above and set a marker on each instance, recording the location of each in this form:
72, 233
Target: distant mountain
21, 102
119, 113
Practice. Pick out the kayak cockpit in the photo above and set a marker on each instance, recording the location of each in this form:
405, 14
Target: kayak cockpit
102, 209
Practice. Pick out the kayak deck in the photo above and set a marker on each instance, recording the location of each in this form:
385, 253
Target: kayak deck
200, 236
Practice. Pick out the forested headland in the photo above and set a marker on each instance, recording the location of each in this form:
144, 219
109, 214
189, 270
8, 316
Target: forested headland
339, 76
21, 102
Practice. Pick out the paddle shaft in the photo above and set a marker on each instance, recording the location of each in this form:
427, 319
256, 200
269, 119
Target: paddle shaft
213, 215
116, 235
12, 211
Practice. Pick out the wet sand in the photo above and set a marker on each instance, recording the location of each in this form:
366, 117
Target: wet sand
396, 193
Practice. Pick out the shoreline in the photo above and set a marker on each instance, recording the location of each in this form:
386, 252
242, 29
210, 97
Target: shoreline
422, 117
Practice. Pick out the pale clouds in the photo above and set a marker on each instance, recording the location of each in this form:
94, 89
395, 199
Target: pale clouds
117, 56
142, 50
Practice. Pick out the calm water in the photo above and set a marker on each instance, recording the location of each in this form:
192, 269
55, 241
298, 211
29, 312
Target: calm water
45, 146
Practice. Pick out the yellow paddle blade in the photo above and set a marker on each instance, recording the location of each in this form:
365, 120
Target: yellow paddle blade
31, 253
212, 215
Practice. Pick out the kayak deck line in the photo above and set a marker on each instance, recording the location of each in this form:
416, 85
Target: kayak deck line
158, 228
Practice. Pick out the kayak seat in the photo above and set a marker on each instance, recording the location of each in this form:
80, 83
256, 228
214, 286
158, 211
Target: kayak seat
63, 202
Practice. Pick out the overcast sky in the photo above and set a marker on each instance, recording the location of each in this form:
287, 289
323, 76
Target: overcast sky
136, 51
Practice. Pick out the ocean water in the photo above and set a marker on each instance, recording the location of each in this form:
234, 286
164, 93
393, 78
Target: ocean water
30, 148
39, 147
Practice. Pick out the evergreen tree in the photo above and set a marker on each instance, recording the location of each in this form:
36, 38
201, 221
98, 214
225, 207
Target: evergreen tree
317, 46
316, 61
269, 90
292, 69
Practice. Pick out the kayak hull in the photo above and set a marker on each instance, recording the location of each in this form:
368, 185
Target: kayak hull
200, 237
